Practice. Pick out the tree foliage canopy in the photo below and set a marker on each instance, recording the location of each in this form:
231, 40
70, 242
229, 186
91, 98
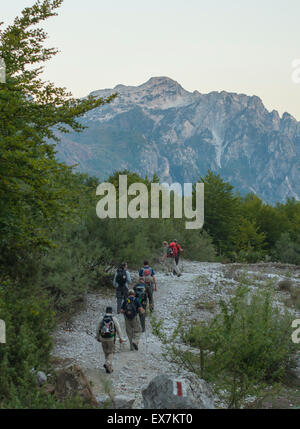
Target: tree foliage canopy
35, 190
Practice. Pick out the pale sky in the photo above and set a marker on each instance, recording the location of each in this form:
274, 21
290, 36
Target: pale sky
243, 46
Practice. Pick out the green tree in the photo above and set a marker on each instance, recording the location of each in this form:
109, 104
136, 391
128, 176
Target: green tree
34, 187
272, 223
290, 211
248, 236
221, 211
286, 250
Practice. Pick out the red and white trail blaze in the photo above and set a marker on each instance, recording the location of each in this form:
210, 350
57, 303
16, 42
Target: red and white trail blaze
179, 388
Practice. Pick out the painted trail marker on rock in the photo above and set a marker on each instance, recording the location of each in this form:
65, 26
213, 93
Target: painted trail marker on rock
179, 388
167, 391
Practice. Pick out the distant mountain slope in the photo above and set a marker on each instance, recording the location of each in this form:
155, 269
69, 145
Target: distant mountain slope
160, 127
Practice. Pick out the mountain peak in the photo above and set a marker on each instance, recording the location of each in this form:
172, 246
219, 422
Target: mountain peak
161, 80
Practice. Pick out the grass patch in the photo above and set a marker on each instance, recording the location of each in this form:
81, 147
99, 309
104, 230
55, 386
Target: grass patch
201, 281
210, 305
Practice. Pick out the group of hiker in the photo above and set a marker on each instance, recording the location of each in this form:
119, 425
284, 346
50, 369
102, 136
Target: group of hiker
132, 303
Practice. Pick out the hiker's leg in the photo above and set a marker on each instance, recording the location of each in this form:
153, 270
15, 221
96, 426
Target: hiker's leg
129, 331
149, 290
122, 294
143, 321
103, 343
136, 325
125, 292
105, 349
176, 268
170, 264
108, 347
110, 354
119, 295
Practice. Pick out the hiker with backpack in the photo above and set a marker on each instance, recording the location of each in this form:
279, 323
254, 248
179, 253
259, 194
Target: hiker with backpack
121, 282
166, 260
131, 307
107, 330
141, 295
179, 250
147, 274
170, 252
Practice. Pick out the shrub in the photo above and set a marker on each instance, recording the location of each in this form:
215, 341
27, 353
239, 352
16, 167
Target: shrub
28, 324
285, 285
287, 250
240, 350
294, 300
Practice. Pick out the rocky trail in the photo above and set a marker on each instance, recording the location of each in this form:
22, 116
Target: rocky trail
196, 293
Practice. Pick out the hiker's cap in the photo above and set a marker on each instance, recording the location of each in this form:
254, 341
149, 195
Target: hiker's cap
109, 310
131, 292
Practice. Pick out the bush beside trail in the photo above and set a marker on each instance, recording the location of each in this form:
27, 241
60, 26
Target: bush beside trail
242, 350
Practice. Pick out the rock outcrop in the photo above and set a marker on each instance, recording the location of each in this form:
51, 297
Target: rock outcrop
71, 381
167, 392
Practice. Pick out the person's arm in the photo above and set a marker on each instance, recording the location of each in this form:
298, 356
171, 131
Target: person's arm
154, 279
118, 330
140, 307
122, 308
165, 254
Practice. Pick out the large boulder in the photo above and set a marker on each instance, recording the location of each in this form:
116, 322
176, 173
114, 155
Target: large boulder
171, 392
41, 378
71, 381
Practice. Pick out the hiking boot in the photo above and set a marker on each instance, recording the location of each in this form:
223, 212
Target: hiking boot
135, 346
107, 369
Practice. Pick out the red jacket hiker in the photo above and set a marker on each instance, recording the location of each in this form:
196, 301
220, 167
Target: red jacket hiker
176, 250
174, 247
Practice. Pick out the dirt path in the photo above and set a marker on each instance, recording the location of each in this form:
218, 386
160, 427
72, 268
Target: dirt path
196, 293
132, 370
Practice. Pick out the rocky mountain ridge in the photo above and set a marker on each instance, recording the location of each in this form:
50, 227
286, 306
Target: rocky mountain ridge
159, 127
